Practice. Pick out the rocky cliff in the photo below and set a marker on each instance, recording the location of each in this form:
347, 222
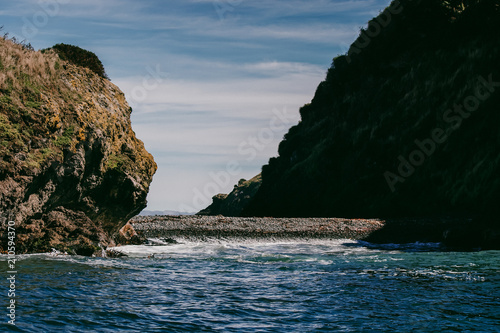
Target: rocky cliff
404, 124
72, 172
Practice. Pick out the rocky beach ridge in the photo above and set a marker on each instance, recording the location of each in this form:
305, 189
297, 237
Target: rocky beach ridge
454, 233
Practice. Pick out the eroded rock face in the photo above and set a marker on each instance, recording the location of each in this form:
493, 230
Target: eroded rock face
72, 171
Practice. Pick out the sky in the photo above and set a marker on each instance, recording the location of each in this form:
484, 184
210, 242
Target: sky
214, 84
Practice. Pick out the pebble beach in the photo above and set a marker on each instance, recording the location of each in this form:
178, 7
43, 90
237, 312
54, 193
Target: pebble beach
222, 228
206, 228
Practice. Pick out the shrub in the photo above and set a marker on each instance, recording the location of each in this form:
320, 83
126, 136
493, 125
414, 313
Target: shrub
80, 57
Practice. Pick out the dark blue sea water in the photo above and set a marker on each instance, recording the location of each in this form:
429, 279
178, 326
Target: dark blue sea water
329, 286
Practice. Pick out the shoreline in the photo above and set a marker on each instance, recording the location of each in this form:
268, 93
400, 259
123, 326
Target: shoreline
454, 233
221, 227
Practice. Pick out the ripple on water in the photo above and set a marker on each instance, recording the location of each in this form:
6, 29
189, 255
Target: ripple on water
261, 287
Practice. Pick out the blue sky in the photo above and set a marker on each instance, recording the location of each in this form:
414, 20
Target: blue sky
214, 84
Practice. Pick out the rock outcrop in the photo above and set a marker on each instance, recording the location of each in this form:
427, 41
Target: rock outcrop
72, 171
233, 203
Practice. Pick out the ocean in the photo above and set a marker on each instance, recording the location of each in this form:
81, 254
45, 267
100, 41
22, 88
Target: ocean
288, 286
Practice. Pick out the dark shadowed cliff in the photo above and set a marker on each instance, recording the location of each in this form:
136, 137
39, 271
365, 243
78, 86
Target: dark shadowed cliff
72, 172
405, 124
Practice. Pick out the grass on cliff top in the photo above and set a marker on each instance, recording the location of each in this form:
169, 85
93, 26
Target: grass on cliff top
27, 77
40, 106
24, 71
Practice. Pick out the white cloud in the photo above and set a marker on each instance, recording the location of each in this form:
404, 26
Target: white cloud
198, 126
242, 95
299, 7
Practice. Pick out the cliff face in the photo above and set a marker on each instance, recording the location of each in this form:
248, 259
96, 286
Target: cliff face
405, 124
72, 171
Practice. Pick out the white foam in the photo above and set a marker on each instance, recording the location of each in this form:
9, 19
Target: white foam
260, 248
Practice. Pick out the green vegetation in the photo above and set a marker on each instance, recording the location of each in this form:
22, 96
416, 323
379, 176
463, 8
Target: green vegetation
79, 57
62, 141
34, 105
115, 161
373, 106
5, 100
31, 89
66, 138
8, 130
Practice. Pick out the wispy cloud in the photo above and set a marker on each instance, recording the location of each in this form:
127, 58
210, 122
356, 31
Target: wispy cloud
200, 125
